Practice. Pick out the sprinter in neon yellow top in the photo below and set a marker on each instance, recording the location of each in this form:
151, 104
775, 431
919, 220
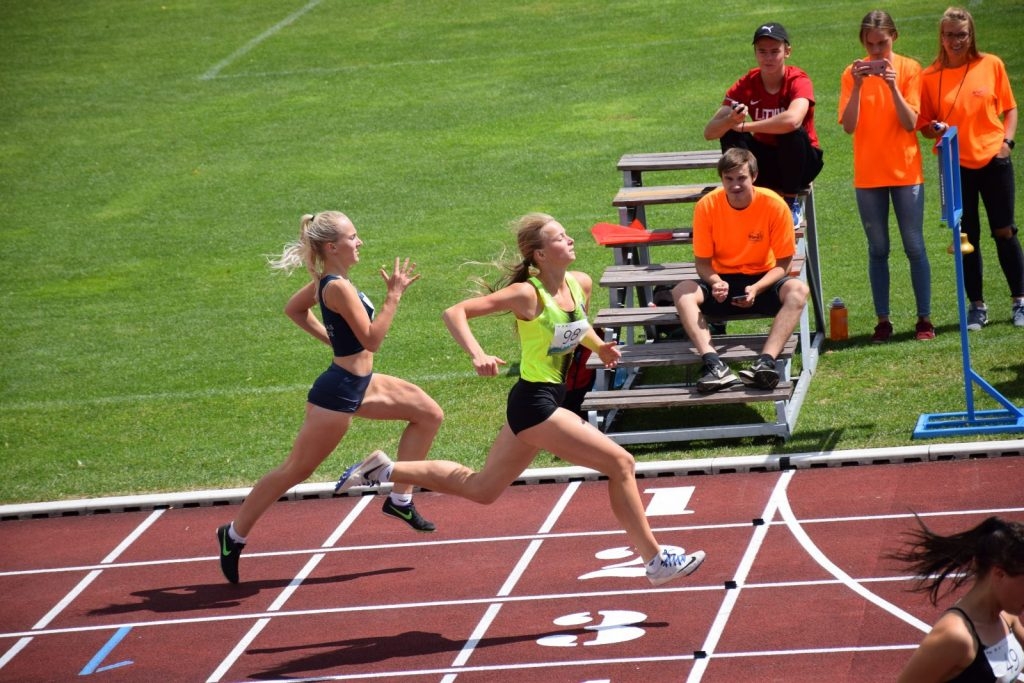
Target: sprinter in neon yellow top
549, 339
550, 304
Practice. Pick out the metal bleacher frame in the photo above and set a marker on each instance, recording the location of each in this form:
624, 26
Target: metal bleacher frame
630, 281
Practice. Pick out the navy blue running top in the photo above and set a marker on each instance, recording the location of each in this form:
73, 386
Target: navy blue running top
343, 340
1006, 655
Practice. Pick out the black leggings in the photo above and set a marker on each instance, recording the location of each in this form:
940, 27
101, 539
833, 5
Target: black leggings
993, 184
787, 167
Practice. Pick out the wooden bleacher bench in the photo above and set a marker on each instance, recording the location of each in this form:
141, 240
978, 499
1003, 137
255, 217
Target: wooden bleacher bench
682, 235
654, 274
730, 348
671, 396
669, 161
646, 316
661, 194
639, 195
630, 283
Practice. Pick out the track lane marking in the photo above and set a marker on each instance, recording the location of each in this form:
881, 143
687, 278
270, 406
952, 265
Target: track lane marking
832, 568
289, 590
513, 578
82, 585
493, 539
740, 577
94, 664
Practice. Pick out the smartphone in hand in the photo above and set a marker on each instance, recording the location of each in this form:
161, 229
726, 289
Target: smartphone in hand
872, 67
735, 104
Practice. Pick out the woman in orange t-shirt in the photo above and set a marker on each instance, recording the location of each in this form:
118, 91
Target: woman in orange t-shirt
878, 103
970, 90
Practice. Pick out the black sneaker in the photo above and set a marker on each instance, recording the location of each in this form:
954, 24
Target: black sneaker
229, 553
408, 514
761, 374
715, 377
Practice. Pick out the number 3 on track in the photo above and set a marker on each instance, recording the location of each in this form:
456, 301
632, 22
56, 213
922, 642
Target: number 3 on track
615, 626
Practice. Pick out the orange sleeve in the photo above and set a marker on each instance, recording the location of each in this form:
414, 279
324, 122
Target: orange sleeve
885, 154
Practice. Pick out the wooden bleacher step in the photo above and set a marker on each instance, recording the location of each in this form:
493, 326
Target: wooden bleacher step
653, 274
681, 235
732, 348
670, 161
645, 316
661, 194
670, 397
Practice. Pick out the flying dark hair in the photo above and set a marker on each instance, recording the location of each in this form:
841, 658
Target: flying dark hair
934, 558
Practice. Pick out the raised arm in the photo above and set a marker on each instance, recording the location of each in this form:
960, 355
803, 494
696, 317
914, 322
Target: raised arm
342, 297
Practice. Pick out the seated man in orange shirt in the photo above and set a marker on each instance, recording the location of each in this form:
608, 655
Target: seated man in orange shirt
743, 246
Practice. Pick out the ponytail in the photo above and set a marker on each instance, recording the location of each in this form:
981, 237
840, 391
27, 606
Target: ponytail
315, 230
936, 559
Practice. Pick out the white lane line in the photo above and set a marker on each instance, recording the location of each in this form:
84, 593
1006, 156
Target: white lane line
493, 539
513, 578
577, 663
379, 546
740, 577
808, 545
270, 32
82, 585
287, 593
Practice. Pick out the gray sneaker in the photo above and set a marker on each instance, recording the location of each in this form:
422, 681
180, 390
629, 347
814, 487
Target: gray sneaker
715, 377
1018, 315
977, 318
365, 473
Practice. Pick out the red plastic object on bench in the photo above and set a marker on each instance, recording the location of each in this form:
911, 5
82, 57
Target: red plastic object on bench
613, 233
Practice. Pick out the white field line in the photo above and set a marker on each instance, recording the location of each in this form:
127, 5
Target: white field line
131, 399
270, 32
513, 578
832, 568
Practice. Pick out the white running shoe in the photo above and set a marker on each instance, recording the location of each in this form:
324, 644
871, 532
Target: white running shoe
672, 562
366, 473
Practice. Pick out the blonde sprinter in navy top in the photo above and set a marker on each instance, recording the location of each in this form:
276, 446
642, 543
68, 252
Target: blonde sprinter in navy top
328, 248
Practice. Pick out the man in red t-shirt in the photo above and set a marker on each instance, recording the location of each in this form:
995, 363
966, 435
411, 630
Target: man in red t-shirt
770, 111
743, 246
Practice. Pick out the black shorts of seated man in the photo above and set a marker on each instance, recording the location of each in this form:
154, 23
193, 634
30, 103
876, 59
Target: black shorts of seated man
743, 247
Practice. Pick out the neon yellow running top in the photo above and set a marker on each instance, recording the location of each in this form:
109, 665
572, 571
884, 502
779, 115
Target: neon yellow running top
548, 340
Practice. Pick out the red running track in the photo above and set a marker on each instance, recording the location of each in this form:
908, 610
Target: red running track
540, 586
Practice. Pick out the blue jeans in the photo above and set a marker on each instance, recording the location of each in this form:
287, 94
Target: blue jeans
908, 205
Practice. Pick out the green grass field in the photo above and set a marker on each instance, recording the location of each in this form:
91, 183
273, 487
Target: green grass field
153, 154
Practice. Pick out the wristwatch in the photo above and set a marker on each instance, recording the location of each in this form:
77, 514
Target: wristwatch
1009, 143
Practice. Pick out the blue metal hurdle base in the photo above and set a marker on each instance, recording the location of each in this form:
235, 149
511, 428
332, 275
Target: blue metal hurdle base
971, 421
934, 425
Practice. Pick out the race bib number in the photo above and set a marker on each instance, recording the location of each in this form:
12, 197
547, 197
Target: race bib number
567, 336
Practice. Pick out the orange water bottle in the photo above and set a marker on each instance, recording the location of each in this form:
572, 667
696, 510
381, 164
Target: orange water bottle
838, 327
